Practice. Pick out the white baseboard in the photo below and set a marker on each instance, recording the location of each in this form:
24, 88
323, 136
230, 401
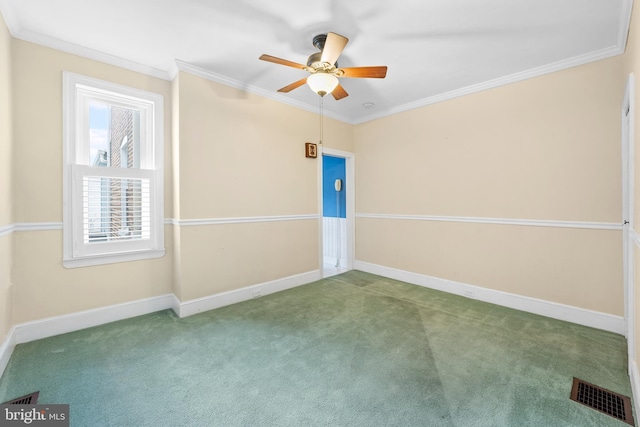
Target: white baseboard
211, 302
48, 327
6, 349
51, 326
44, 328
634, 376
581, 316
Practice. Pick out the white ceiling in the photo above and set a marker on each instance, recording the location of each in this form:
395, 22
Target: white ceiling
435, 49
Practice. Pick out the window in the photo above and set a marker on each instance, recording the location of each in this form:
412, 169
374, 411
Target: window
113, 172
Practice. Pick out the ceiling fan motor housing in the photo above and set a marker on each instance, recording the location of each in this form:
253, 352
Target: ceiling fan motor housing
319, 41
314, 59
314, 62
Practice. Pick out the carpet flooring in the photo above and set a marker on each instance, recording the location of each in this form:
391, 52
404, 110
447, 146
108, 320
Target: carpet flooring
351, 350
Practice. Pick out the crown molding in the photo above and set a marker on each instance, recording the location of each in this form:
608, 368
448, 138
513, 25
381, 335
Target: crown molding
618, 49
500, 81
16, 31
95, 55
10, 19
625, 23
195, 70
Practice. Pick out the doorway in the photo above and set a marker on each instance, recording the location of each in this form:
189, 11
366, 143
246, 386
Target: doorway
337, 209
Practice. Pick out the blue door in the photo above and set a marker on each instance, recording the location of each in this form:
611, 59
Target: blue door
334, 212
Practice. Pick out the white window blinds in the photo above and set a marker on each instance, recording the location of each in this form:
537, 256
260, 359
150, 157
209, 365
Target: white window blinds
114, 206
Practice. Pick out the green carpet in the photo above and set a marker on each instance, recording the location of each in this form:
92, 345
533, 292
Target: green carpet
351, 350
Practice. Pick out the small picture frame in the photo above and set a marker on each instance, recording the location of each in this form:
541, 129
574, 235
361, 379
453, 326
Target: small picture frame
310, 150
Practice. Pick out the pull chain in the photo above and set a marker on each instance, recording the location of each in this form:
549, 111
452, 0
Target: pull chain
321, 119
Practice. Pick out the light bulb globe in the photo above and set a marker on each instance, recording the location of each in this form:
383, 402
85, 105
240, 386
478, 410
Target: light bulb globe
322, 83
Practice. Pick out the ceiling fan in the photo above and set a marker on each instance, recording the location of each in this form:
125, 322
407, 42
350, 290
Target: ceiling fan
324, 69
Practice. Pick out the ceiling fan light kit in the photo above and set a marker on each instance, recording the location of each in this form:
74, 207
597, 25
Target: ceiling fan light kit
323, 67
322, 83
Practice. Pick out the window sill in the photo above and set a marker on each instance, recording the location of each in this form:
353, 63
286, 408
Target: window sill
112, 258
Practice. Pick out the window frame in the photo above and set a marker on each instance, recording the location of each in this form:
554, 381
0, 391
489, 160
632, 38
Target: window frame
78, 92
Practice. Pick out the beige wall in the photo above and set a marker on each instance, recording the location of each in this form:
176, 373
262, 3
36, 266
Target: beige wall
546, 148
631, 60
42, 286
6, 288
564, 265
6, 204
245, 153
38, 125
175, 185
6, 215
241, 155
219, 258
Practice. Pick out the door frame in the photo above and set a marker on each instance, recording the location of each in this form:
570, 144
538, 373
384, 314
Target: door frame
629, 236
350, 187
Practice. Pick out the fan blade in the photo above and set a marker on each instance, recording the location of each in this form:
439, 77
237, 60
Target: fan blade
339, 92
365, 72
293, 86
281, 61
333, 47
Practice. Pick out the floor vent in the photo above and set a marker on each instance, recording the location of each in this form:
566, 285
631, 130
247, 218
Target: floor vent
605, 401
29, 399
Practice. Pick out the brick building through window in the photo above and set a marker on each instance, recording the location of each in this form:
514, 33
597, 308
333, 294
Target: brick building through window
117, 215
